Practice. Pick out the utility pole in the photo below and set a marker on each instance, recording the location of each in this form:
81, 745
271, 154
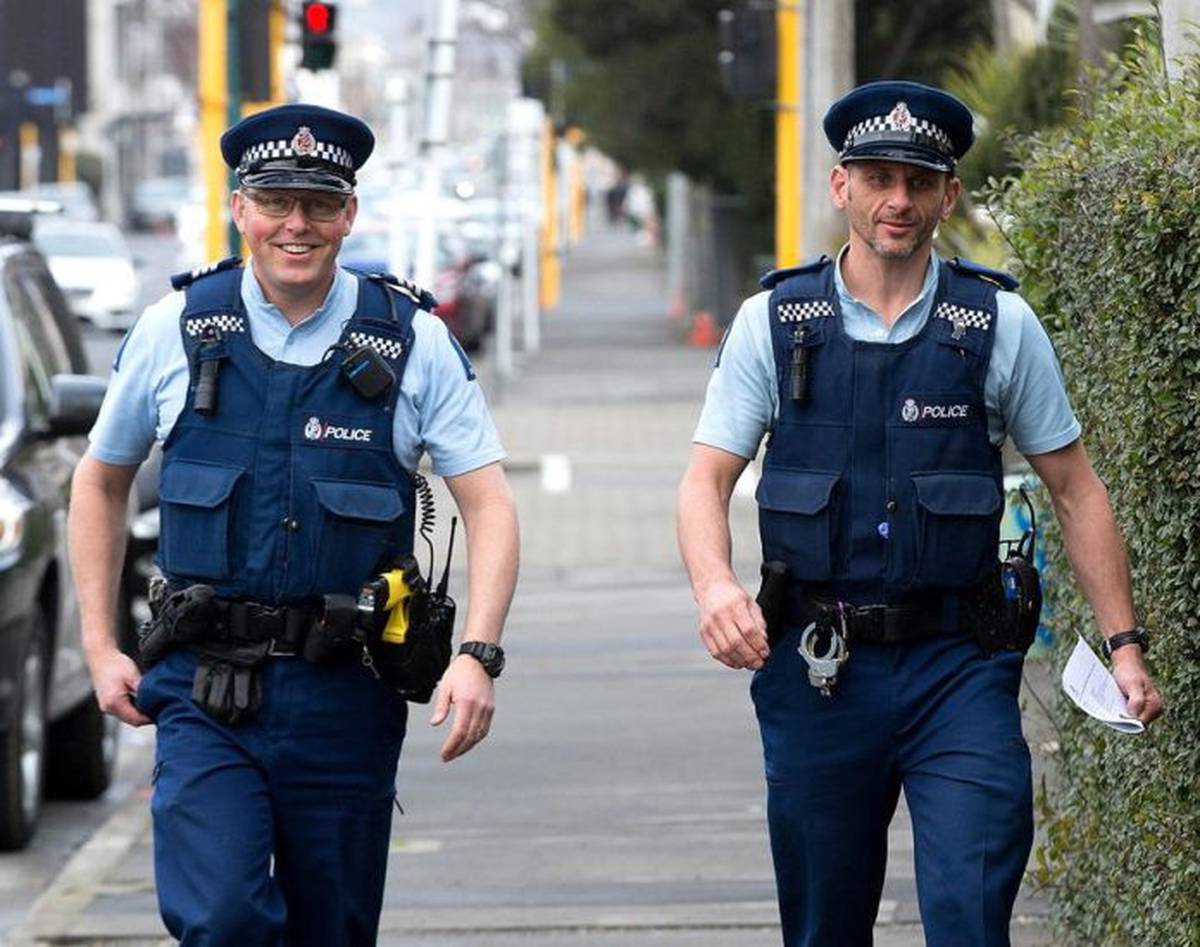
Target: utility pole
789, 132
214, 103
439, 78
233, 103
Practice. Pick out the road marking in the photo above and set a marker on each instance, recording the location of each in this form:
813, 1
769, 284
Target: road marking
556, 473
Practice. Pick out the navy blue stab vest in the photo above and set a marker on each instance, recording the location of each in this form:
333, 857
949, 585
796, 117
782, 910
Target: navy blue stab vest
881, 486
291, 489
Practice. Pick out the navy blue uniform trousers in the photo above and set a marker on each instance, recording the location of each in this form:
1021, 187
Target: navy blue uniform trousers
274, 832
937, 718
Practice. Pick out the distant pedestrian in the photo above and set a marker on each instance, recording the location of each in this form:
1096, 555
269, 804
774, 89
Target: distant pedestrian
614, 199
887, 380
294, 400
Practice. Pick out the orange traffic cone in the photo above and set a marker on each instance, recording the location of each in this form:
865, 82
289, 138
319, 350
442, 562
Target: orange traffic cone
704, 332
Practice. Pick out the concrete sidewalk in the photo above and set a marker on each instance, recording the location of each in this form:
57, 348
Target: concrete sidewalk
619, 801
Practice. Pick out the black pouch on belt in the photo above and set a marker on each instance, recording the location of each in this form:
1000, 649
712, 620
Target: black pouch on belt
773, 599
1004, 610
180, 617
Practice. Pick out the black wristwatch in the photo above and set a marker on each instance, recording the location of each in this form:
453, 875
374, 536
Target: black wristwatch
491, 656
1137, 636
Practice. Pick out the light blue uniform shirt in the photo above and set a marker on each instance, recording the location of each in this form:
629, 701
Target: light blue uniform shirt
440, 409
1023, 390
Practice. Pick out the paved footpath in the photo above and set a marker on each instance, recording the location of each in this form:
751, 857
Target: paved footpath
619, 801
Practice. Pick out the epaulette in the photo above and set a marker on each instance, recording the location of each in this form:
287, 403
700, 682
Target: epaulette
1003, 280
422, 297
772, 279
183, 280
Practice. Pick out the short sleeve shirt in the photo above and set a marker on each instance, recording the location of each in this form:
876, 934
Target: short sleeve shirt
1023, 389
441, 409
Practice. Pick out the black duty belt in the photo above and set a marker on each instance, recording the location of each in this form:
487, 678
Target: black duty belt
285, 626
879, 624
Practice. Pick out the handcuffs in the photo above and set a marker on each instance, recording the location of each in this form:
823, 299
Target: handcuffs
823, 667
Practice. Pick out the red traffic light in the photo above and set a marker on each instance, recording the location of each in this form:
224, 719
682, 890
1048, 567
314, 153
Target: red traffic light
318, 17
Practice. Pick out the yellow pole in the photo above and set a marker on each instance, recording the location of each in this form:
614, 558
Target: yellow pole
789, 134
214, 100
577, 197
550, 278
31, 155
68, 146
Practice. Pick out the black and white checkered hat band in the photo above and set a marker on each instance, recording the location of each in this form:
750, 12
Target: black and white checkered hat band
961, 316
388, 348
269, 150
223, 322
805, 310
920, 128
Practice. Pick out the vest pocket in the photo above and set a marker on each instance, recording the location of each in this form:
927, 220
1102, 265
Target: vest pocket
957, 528
196, 500
797, 520
356, 523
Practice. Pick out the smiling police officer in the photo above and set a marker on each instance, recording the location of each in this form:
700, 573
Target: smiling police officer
289, 474
888, 379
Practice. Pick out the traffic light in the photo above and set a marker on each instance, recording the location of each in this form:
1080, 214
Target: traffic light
747, 54
318, 44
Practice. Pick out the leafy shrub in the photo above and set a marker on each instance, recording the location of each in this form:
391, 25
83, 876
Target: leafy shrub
1104, 225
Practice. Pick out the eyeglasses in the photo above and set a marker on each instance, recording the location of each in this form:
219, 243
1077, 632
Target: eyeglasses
316, 206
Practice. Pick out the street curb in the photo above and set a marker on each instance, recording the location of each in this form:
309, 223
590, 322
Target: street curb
59, 907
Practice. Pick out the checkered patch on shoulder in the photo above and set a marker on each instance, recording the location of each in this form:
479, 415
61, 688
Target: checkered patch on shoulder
963, 318
803, 310
388, 348
222, 322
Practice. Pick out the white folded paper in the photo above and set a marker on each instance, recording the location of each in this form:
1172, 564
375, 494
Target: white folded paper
1088, 682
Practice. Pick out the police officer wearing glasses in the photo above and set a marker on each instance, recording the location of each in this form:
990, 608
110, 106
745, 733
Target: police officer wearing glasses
293, 399
887, 653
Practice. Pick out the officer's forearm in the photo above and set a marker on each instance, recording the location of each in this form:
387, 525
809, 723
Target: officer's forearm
96, 539
493, 550
1097, 555
1090, 534
703, 531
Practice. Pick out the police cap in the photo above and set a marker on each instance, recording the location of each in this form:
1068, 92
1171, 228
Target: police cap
298, 146
900, 121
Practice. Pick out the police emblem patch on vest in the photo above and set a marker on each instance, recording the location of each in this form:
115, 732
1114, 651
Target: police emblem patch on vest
936, 410
334, 431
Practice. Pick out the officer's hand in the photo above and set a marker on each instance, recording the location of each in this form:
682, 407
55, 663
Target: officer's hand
1135, 682
468, 687
115, 678
732, 626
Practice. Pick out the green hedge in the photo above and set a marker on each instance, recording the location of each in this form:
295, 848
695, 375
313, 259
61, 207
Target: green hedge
1104, 226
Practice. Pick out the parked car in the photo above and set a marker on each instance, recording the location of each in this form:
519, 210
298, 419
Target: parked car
53, 737
462, 300
93, 265
155, 202
74, 199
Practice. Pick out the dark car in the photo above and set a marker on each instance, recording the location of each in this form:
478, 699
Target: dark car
53, 737
462, 301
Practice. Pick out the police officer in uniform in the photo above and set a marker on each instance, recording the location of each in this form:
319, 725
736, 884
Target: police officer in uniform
887, 380
286, 478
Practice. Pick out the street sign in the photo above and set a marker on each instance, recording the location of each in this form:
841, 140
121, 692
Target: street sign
47, 94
